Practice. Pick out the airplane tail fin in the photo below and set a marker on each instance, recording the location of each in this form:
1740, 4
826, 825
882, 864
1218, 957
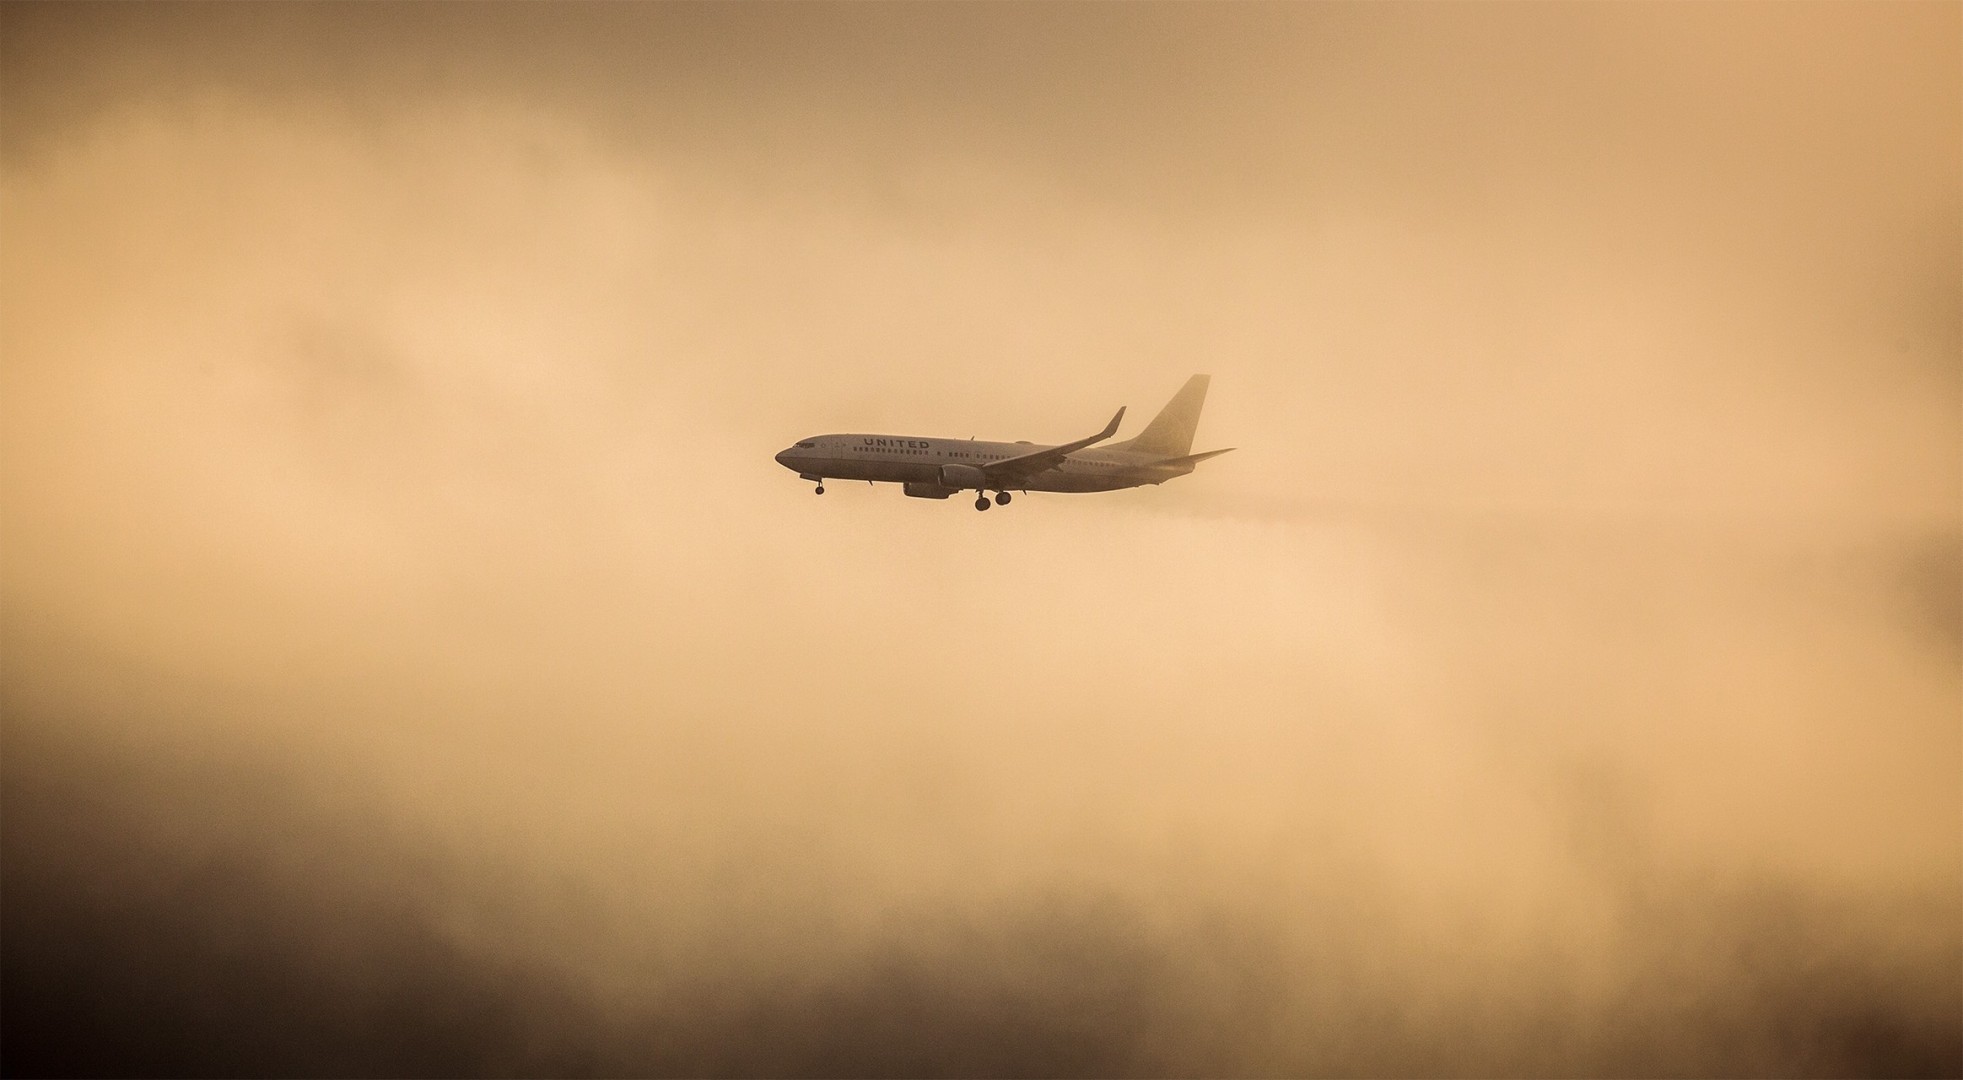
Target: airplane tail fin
1171, 432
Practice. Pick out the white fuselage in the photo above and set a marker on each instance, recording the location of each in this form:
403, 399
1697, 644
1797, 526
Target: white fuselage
904, 459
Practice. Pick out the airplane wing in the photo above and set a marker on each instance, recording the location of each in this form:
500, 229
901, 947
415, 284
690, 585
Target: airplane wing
1008, 470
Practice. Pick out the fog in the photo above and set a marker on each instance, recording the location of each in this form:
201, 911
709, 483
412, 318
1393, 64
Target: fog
413, 662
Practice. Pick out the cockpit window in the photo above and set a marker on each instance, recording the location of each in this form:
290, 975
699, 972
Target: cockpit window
807, 445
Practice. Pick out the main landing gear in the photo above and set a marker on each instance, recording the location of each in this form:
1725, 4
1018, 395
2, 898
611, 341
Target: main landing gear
981, 499
981, 502
1001, 498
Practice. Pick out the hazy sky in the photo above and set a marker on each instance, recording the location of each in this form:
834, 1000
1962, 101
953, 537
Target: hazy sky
413, 662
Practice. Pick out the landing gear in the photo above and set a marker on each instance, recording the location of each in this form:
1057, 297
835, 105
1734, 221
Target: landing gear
1001, 498
821, 488
981, 502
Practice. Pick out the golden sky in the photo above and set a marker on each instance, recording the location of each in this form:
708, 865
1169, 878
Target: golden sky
412, 659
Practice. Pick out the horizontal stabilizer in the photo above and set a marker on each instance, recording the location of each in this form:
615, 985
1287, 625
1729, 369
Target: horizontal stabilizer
1194, 459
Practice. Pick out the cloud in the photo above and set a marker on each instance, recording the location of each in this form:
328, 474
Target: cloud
414, 663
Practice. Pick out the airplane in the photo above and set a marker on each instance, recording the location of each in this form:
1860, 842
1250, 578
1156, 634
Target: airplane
938, 468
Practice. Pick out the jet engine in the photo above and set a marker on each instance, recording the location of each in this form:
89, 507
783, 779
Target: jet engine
927, 491
963, 476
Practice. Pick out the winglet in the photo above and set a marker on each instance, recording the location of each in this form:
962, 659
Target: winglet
1082, 442
1038, 460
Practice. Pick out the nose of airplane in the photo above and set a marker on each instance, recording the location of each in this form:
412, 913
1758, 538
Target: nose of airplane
784, 458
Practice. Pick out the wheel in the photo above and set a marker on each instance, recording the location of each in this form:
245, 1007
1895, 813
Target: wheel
1001, 498
981, 503
821, 489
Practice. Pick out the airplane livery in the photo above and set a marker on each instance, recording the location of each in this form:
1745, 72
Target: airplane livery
937, 468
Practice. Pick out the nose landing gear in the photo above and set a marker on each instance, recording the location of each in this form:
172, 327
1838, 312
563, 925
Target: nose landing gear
821, 488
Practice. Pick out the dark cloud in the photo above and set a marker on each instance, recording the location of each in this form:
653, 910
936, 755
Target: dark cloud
217, 920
